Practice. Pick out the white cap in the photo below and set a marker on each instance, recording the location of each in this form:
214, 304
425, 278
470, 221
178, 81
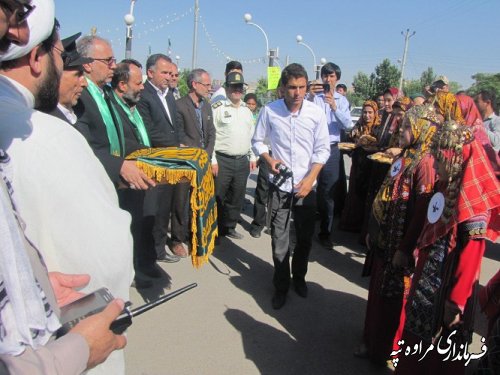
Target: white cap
41, 24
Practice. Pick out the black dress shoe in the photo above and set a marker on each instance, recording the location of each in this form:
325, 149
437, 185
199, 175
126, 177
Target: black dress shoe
139, 283
255, 231
279, 300
169, 258
151, 271
231, 233
300, 287
326, 242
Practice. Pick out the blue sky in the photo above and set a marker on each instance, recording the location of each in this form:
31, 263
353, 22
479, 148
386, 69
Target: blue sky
458, 38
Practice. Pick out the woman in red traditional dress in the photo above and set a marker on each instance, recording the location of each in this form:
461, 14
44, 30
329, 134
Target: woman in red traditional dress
395, 225
462, 214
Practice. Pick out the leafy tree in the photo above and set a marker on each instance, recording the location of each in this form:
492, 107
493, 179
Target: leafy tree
387, 75
182, 85
263, 95
427, 77
486, 81
364, 88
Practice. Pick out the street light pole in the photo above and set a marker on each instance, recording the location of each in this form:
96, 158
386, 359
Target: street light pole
195, 33
177, 58
407, 36
271, 55
129, 21
315, 66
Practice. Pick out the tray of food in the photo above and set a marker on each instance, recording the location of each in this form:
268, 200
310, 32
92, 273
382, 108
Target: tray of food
381, 157
346, 146
367, 140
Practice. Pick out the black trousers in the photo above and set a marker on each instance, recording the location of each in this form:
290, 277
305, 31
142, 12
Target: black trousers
283, 205
261, 196
230, 188
164, 203
132, 201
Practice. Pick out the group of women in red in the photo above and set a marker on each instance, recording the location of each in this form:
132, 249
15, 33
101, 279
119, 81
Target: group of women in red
425, 219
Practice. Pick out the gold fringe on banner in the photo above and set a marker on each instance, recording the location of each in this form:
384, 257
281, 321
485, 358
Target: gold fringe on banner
173, 165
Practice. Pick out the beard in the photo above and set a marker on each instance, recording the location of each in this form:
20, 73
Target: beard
131, 98
48, 90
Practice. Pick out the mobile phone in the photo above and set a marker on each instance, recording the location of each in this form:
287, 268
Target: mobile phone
326, 87
88, 305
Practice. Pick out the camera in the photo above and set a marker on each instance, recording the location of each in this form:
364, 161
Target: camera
284, 173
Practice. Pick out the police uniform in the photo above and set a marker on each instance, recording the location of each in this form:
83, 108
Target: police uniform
234, 130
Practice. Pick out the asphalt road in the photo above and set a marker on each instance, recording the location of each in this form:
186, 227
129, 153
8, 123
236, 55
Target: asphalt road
227, 325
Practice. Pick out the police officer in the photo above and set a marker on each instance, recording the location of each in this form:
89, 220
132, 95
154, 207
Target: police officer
233, 158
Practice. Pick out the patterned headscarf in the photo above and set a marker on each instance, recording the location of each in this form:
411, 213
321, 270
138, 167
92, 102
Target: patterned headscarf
447, 106
471, 191
422, 120
362, 127
403, 103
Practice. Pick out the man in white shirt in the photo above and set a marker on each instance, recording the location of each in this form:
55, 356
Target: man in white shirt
298, 134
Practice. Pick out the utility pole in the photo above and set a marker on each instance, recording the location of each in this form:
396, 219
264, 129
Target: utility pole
407, 36
195, 34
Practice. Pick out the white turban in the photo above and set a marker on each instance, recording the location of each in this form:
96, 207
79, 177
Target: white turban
41, 24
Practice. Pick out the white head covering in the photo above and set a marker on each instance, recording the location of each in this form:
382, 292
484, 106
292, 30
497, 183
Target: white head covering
41, 23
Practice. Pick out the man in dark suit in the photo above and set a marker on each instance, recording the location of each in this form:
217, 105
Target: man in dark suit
158, 109
112, 136
72, 80
194, 112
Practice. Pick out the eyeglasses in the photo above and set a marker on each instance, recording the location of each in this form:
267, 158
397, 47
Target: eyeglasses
207, 85
108, 61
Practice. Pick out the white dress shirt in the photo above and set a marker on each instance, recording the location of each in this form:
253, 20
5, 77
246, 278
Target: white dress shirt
297, 139
70, 115
163, 98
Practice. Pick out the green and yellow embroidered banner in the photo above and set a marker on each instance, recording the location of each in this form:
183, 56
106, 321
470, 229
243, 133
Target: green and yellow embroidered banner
172, 165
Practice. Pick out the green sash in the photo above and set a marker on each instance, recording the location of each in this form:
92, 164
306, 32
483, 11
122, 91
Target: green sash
113, 136
136, 120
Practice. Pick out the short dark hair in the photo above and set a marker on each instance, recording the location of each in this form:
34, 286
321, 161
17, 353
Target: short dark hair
194, 76
341, 86
233, 65
490, 96
293, 70
122, 71
249, 96
154, 58
330, 68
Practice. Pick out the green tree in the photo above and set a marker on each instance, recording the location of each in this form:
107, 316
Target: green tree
486, 81
364, 88
427, 77
182, 85
387, 75
263, 95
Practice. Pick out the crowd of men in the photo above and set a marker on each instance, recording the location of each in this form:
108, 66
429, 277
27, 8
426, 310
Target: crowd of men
69, 117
